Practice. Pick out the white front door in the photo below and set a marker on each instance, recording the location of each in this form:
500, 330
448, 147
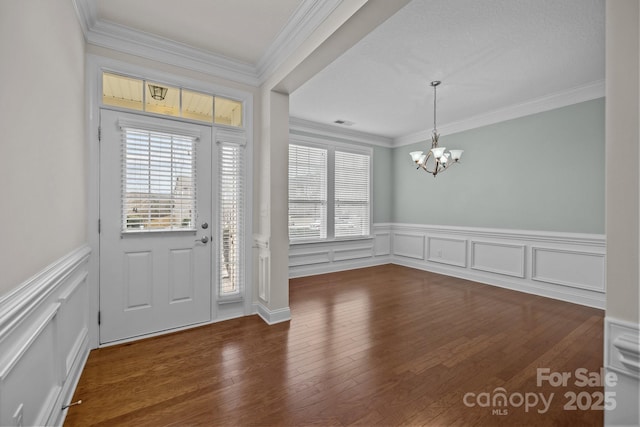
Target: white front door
156, 225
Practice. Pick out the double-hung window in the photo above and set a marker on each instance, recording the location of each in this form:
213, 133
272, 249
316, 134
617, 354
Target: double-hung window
329, 191
352, 194
307, 192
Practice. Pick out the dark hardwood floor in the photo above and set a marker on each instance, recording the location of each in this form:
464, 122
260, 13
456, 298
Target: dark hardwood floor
385, 345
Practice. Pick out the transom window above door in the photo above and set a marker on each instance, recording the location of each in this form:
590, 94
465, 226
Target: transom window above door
143, 95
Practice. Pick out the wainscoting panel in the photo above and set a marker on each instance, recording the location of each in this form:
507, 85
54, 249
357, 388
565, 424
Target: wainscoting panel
382, 244
500, 258
408, 245
309, 257
447, 251
349, 253
44, 342
565, 266
306, 259
569, 268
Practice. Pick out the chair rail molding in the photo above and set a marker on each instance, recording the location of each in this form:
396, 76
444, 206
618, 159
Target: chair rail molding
565, 266
44, 342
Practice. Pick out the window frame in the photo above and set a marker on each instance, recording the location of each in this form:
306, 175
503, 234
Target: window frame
331, 147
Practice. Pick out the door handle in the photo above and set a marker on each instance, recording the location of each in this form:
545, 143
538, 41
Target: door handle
204, 239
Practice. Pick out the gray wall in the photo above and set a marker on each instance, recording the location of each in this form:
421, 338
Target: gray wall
540, 172
42, 152
382, 181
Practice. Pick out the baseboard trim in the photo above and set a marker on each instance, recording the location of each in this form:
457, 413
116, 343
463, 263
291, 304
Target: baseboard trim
595, 300
272, 317
565, 266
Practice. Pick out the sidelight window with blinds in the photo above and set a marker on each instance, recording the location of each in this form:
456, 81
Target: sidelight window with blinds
329, 192
158, 181
231, 212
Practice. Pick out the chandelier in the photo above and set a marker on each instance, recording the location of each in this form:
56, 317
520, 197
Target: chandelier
442, 160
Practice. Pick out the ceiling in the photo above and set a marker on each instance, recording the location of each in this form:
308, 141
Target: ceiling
238, 29
493, 56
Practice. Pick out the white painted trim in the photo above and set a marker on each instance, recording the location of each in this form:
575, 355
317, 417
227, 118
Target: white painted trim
39, 325
302, 23
622, 361
20, 303
320, 132
576, 95
32, 340
538, 277
123, 39
271, 317
622, 347
517, 274
442, 260
595, 240
405, 254
95, 65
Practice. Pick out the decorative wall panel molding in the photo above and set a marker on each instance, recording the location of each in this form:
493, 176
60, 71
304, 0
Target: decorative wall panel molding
500, 258
565, 266
44, 342
578, 269
446, 250
622, 360
382, 244
408, 245
261, 243
307, 259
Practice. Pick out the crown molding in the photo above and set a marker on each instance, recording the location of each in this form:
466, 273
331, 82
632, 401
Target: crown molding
86, 11
576, 95
305, 20
138, 43
297, 125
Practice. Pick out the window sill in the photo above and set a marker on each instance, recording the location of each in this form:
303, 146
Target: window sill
330, 241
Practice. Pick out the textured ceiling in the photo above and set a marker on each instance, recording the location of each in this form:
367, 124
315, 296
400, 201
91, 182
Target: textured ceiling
237, 29
489, 54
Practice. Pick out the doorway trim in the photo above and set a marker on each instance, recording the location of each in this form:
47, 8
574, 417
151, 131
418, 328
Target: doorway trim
95, 66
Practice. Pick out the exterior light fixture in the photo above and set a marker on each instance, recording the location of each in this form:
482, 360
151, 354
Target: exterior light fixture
158, 92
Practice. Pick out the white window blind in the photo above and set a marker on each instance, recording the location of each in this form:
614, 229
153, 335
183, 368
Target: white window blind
158, 181
231, 205
352, 204
307, 192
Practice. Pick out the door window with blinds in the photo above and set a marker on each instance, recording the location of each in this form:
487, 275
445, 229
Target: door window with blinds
158, 181
329, 192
